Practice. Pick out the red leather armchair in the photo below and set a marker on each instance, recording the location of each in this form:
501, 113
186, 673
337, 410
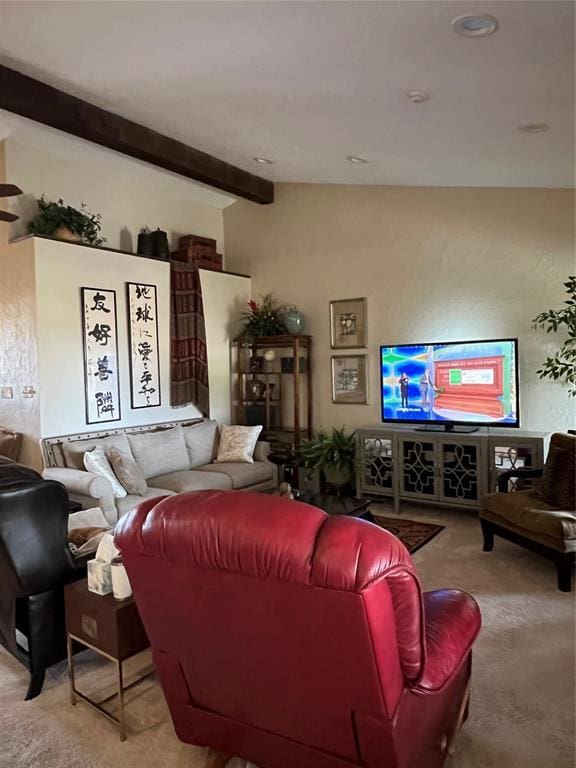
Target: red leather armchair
294, 639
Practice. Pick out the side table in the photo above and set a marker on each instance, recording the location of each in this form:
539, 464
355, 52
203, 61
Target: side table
110, 627
288, 466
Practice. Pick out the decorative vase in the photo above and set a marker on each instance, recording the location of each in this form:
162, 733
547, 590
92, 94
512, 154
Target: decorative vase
160, 248
294, 321
256, 389
65, 233
145, 243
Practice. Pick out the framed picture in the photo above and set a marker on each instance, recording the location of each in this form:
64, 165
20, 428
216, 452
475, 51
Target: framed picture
143, 341
349, 376
100, 339
348, 323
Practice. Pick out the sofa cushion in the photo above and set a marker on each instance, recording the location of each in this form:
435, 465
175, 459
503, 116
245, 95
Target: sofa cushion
74, 450
558, 487
527, 511
128, 472
202, 442
241, 474
130, 502
160, 452
193, 480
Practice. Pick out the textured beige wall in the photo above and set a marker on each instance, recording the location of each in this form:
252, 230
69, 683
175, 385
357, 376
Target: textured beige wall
18, 347
129, 195
434, 263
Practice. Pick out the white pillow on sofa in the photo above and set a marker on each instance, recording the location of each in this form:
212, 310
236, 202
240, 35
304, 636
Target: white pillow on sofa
96, 462
237, 444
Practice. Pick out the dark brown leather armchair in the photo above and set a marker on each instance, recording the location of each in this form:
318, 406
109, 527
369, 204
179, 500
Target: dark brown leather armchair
543, 517
35, 564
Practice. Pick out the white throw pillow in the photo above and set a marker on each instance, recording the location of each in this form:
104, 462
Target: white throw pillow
95, 461
237, 444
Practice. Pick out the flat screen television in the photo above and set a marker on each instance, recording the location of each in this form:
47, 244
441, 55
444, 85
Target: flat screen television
472, 383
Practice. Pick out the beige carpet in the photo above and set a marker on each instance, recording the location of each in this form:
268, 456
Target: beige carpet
522, 714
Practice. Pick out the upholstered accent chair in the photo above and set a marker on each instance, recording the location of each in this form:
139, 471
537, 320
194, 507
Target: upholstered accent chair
543, 517
295, 639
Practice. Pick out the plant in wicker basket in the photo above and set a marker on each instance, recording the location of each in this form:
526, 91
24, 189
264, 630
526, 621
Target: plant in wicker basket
58, 219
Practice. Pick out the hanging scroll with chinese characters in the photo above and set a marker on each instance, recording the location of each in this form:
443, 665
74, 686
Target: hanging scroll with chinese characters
143, 339
100, 355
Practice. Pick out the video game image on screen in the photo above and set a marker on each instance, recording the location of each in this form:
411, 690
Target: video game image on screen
470, 382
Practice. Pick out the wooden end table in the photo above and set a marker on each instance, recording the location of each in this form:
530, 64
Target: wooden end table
110, 627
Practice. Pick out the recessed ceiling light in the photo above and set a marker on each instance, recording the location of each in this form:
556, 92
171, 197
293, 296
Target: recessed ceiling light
263, 160
356, 159
475, 26
534, 127
417, 97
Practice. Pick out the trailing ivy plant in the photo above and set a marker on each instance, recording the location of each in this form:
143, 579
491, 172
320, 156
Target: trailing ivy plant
562, 366
82, 223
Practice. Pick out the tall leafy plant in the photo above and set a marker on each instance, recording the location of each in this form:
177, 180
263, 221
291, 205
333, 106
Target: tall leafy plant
332, 453
562, 366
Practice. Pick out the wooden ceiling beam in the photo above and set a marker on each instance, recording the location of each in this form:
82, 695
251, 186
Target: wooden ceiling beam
37, 101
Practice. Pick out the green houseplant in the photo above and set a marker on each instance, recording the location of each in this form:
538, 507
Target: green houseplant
562, 366
331, 453
263, 319
65, 222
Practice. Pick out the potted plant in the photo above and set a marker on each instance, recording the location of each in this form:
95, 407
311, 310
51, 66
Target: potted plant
562, 366
66, 223
333, 454
263, 319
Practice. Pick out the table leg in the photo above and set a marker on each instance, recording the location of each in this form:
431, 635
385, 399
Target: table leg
122, 724
71, 670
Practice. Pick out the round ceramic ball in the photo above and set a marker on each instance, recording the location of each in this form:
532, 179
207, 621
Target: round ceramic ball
269, 355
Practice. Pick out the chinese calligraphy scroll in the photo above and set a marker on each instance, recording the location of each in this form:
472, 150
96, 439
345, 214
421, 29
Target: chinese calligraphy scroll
100, 355
143, 340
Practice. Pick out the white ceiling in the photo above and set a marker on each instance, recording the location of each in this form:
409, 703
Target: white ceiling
308, 83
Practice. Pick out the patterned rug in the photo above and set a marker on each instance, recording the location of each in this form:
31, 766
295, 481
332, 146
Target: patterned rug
411, 533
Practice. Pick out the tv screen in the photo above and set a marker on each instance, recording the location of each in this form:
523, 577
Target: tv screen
469, 382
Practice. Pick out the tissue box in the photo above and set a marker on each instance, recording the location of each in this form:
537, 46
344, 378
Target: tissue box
99, 577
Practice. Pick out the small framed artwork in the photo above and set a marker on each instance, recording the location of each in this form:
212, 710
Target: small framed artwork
348, 323
143, 339
349, 377
100, 339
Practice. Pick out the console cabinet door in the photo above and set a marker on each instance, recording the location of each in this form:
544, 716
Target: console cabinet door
460, 478
376, 463
507, 453
418, 477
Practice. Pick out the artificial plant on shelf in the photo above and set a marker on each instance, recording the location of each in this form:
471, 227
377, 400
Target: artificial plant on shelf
562, 366
61, 220
263, 319
333, 454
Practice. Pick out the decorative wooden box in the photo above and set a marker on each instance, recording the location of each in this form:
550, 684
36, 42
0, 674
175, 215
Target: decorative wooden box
198, 251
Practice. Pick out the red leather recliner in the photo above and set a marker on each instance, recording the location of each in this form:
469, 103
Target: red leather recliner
294, 639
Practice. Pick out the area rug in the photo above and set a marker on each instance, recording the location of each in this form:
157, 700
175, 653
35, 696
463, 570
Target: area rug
411, 533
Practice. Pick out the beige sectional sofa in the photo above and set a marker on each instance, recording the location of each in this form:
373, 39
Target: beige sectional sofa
174, 458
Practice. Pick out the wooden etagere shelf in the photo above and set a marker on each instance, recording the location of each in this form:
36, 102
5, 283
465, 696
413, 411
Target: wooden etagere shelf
276, 392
